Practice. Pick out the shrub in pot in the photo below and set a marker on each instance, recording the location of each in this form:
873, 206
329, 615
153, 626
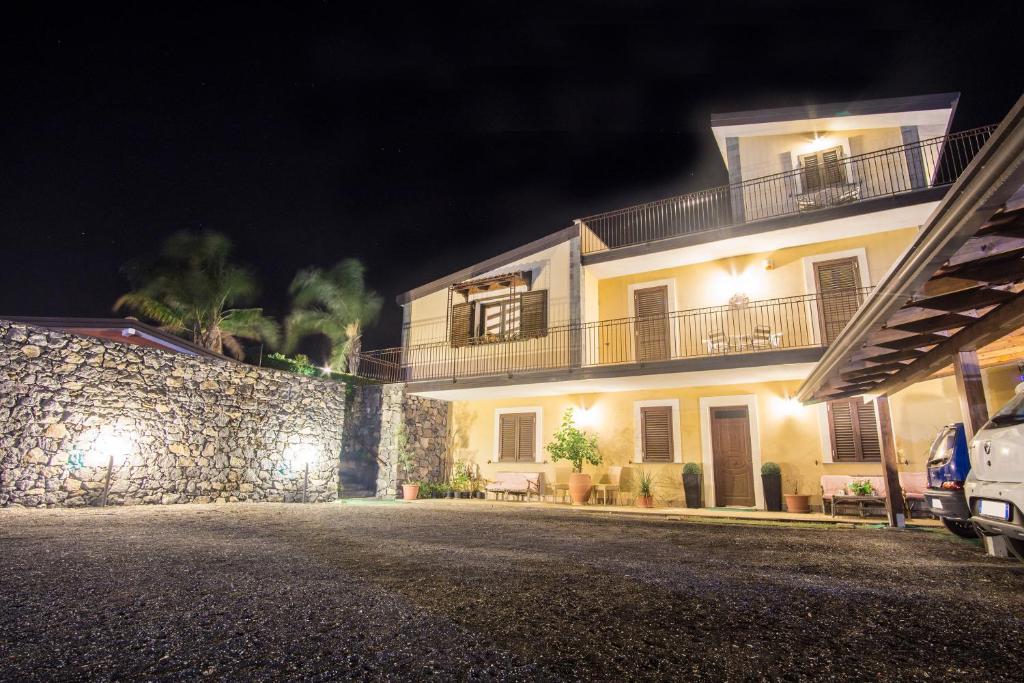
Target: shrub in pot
771, 480
692, 484
578, 447
645, 489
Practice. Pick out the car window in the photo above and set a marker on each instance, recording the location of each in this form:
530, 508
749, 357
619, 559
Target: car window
942, 448
1010, 414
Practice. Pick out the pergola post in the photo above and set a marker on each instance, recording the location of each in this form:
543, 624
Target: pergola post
890, 466
970, 391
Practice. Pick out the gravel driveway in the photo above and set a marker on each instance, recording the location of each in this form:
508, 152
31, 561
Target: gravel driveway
471, 590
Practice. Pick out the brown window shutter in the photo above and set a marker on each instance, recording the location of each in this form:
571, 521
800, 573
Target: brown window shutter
656, 433
810, 174
839, 294
853, 430
841, 431
533, 314
832, 161
507, 433
527, 437
461, 324
867, 428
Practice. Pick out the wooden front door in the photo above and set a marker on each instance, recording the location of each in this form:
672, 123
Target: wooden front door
839, 295
730, 451
651, 329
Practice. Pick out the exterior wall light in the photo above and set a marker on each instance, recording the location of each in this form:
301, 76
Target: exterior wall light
299, 457
103, 447
789, 406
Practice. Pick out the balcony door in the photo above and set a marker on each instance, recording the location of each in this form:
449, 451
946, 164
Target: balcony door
650, 305
839, 294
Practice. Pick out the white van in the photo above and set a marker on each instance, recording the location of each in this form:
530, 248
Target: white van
995, 484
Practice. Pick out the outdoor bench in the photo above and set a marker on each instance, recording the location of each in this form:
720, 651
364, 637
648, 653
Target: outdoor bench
520, 484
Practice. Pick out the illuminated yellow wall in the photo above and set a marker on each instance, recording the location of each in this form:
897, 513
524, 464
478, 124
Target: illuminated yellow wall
790, 435
712, 283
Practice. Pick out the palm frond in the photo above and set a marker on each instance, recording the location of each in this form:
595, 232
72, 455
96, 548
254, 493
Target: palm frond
149, 307
251, 324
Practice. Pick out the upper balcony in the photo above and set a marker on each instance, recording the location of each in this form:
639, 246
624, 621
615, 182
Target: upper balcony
825, 180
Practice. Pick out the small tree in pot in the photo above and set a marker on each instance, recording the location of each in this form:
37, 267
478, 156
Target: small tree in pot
406, 463
692, 484
771, 479
578, 447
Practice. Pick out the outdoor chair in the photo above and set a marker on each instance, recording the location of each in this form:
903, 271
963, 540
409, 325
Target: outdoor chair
559, 491
522, 485
717, 342
612, 486
764, 338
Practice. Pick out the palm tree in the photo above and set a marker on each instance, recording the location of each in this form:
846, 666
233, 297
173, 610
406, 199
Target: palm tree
336, 304
192, 289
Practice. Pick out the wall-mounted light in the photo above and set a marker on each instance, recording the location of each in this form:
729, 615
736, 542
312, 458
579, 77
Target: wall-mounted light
788, 406
820, 142
768, 264
300, 456
584, 417
104, 446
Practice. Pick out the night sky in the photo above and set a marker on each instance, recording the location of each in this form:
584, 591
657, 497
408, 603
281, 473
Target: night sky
417, 139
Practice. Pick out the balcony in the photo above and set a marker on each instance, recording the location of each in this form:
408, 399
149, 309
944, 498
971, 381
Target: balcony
661, 341
931, 163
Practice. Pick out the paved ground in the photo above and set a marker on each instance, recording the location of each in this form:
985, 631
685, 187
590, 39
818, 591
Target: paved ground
475, 591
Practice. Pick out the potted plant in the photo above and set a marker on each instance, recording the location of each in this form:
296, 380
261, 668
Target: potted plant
861, 488
406, 463
572, 444
692, 484
796, 502
645, 489
461, 479
771, 480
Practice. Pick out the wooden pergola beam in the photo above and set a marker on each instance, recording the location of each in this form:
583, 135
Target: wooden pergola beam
971, 391
998, 323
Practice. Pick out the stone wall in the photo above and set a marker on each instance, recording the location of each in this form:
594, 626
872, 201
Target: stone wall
183, 428
377, 414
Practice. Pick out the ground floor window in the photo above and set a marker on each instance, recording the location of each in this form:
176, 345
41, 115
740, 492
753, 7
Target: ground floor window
517, 437
853, 430
656, 433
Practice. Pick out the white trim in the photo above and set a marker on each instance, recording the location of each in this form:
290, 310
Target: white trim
673, 303
794, 156
708, 466
638, 447
538, 452
811, 284
826, 437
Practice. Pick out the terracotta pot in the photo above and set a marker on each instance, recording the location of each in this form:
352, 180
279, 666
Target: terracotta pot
410, 491
645, 501
579, 487
798, 503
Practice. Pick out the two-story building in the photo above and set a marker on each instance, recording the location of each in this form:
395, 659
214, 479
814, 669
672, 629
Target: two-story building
679, 330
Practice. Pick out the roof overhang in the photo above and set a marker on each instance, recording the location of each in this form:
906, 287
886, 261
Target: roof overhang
959, 286
923, 110
491, 264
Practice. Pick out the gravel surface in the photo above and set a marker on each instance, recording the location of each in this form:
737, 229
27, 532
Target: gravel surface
471, 590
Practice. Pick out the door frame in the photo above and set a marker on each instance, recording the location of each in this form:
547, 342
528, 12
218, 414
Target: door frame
672, 304
749, 401
811, 280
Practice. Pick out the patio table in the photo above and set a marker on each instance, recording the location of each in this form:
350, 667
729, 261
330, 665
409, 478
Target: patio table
860, 501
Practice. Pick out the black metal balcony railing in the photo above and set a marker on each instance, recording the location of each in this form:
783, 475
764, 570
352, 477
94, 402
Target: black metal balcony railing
757, 326
934, 162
